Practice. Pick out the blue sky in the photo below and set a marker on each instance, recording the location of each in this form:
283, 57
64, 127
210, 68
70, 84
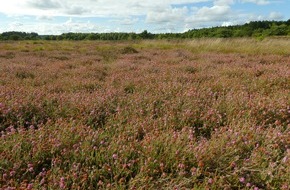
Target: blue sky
156, 16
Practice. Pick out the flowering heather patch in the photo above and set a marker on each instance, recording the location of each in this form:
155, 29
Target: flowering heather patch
202, 114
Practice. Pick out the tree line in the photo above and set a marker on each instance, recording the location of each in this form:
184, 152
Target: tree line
259, 29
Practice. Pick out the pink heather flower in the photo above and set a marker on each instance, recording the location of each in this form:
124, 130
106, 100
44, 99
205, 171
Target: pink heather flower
181, 166
29, 165
175, 135
42, 174
233, 164
10, 188
248, 185
285, 186
12, 173
256, 188
190, 137
4, 176
29, 186
242, 179
100, 183
193, 171
30, 169
210, 181
11, 129
42, 181
61, 183
115, 156
284, 160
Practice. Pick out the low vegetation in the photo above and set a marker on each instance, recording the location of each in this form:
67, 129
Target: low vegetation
200, 114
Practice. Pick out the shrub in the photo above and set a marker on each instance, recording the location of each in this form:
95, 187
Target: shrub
129, 50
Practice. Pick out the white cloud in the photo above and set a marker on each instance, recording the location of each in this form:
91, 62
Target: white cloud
255, 17
43, 4
258, 2
106, 8
227, 24
46, 16
125, 21
15, 24
214, 13
276, 16
167, 15
56, 28
223, 2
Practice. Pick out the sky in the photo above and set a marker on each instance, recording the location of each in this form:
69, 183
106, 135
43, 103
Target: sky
156, 16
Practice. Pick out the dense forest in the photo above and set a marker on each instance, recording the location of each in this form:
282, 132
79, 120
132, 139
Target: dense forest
258, 29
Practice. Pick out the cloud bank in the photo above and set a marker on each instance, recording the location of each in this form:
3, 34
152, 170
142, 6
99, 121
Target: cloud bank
131, 15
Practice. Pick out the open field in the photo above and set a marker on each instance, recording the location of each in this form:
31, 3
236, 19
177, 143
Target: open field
208, 113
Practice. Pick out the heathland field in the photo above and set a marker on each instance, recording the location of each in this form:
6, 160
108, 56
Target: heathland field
195, 114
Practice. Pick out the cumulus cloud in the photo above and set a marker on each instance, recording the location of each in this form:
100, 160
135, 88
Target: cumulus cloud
76, 10
126, 21
89, 7
260, 2
43, 4
131, 15
260, 17
57, 28
44, 18
15, 24
167, 15
214, 13
223, 2
276, 16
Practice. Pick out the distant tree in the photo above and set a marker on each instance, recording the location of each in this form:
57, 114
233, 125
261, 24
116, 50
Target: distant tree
278, 30
251, 29
60, 37
146, 35
91, 36
238, 33
132, 36
33, 36
14, 37
223, 33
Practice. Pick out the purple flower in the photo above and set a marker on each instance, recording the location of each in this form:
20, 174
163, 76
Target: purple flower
115, 156
210, 181
181, 166
62, 183
42, 181
30, 169
12, 173
31, 127
29, 186
242, 180
4, 176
